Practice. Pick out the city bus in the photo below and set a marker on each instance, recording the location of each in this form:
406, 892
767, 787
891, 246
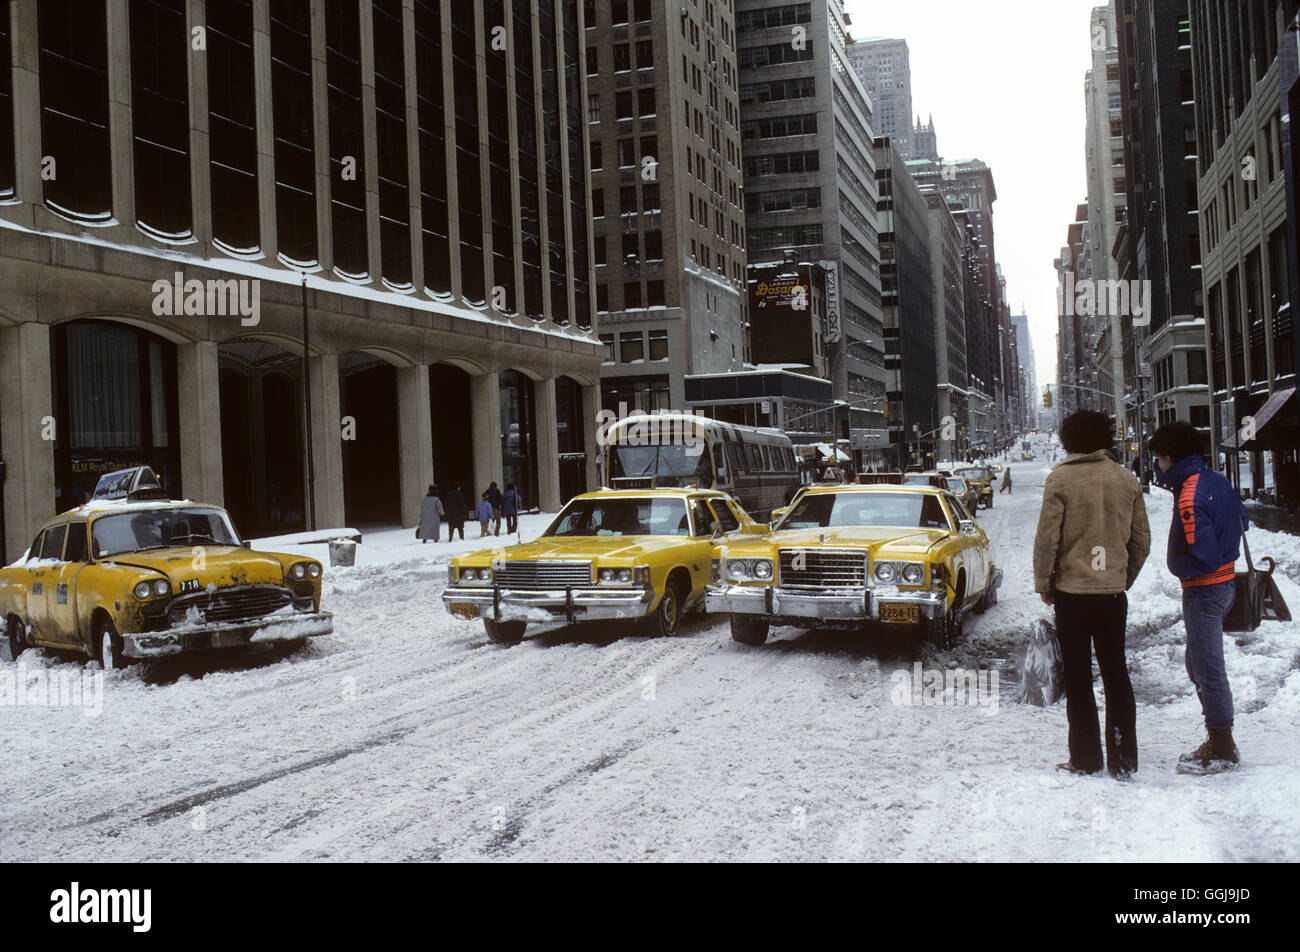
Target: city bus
756, 465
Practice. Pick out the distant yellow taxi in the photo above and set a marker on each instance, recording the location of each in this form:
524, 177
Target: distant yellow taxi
981, 478
130, 576
611, 555
849, 555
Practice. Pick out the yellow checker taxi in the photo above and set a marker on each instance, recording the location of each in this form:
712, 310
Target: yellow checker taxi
132, 575
608, 555
844, 556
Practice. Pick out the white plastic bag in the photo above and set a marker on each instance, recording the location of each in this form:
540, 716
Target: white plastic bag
1042, 676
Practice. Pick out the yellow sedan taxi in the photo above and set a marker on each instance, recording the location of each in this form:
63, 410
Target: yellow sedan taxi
132, 576
845, 556
608, 555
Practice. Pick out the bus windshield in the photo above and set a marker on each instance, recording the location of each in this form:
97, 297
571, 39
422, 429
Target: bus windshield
690, 461
905, 510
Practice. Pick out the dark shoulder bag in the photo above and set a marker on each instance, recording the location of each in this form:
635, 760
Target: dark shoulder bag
1258, 598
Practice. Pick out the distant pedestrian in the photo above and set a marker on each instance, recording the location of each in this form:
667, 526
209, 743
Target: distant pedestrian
1006, 481
484, 514
431, 513
1204, 542
510, 506
494, 497
457, 512
1091, 542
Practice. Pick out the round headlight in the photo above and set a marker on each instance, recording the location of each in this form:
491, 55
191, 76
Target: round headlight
912, 574
762, 569
468, 574
885, 572
161, 587
142, 589
298, 571
625, 575
606, 575
738, 568
314, 570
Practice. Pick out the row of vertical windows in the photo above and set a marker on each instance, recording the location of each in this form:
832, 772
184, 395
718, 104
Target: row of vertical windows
73, 48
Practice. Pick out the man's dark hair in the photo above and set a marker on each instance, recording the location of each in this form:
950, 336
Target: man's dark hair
1177, 440
1086, 431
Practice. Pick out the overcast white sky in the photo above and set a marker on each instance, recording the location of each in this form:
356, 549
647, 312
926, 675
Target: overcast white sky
1004, 82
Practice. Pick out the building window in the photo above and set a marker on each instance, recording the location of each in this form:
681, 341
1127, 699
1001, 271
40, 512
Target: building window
593, 107
597, 203
645, 101
592, 68
596, 156
654, 246
232, 126
608, 341
623, 104
390, 129
631, 346
632, 297
626, 153
600, 250
645, 54
622, 57
654, 297
160, 117
293, 126
431, 135
73, 42
602, 297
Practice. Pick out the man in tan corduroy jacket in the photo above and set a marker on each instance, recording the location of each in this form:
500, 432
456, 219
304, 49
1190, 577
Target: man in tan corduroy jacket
1092, 540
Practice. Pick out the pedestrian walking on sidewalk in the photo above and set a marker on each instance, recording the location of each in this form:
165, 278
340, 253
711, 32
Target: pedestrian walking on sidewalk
1006, 481
457, 511
431, 513
484, 513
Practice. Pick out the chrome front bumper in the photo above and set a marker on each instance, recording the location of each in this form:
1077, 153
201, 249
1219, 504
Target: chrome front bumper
570, 604
861, 604
156, 644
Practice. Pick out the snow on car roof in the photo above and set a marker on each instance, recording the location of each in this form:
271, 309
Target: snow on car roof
99, 506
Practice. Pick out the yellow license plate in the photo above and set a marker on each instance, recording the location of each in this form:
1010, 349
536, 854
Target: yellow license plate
899, 613
464, 611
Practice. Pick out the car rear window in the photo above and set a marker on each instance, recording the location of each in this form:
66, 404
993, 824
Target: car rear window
52, 543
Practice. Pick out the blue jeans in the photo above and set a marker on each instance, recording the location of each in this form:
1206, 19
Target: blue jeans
1203, 609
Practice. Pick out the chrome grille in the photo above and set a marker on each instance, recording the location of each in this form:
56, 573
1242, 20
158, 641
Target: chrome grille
233, 604
542, 574
824, 568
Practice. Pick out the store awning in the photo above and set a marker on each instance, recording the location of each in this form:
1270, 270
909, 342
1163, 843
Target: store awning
1251, 435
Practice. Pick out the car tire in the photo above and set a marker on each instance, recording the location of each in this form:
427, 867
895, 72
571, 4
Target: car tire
667, 619
504, 632
749, 629
108, 648
947, 631
16, 632
989, 597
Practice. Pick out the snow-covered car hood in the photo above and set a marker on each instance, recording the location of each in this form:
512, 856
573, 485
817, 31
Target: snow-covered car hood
620, 550
875, 539
222, 565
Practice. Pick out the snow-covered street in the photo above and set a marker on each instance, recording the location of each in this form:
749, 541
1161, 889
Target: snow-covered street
406, 735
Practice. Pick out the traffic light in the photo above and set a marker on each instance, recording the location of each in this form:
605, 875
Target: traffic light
1047, 398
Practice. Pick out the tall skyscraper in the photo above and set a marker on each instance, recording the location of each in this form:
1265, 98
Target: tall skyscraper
372, 213
885, 69
663, 117
925, 142
810, 185
1025, 356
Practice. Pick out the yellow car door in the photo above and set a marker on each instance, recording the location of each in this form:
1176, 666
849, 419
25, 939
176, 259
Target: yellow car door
43, 567
974, 547
61, 597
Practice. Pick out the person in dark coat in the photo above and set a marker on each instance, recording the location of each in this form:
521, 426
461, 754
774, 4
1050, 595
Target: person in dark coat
510, 507
494, 497
1006, 482
431, 513
457, 511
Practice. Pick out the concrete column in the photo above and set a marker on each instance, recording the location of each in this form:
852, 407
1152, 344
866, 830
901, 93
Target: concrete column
200, 148
268, 240
321, 135
119, 112
27, 103
548, 447
25, 424
485, 410
370, 141
326, 442
590, 407
415, 439
199, 405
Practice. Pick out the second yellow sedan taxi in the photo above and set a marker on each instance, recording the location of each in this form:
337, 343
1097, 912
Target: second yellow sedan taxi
611, 554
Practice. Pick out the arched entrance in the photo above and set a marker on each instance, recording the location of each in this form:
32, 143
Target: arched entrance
115, 406
372, 477
453, 447
261, 436
519, 436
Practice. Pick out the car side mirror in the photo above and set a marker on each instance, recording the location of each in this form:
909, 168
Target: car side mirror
966, 526
716, 528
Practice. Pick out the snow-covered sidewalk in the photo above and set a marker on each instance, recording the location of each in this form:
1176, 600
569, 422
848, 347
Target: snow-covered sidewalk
406, 735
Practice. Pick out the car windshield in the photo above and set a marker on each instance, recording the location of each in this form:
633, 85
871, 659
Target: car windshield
675, 460
917, 479
621, 517
160, 528
957, 485
972, 473
904, 510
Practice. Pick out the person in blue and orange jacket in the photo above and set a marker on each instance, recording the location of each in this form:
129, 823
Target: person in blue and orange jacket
1204, 541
